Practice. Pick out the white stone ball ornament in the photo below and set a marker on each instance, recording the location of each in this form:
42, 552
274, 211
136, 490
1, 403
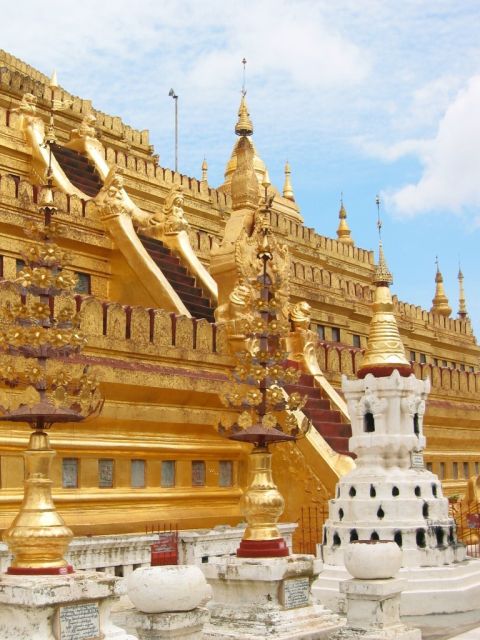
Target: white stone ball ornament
373, 559
168, 588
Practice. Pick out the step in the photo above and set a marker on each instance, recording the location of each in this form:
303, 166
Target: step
333, 429
323, 415
317, 404
338, 443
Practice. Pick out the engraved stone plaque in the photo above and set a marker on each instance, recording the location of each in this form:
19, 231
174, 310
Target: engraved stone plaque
295, 592
417, 460
78, 622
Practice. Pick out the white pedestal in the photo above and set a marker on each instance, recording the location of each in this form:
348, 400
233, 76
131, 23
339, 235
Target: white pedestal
72, 607
182, 625
373, 606
260, 599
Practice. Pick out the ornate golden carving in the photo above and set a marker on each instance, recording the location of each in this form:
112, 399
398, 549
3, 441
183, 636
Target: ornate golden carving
86, 128
172, 219
301, 315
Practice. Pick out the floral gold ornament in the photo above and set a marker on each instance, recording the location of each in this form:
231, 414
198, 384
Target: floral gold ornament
260, 374
34, 340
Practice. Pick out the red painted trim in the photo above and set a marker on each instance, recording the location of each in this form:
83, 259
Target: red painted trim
53, 571
276, 548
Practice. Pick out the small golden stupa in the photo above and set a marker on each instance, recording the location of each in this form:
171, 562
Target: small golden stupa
440, 304
343, 231
385, 351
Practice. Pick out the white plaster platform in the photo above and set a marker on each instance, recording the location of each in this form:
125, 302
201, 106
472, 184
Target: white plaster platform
428, 589
251, 600
30, 605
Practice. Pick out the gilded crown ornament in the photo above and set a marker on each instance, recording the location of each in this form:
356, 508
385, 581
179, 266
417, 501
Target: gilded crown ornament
260, 374
38, 333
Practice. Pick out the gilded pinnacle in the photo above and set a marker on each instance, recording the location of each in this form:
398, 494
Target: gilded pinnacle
204, 170
343, 231
287, 185
385, 351
462, 306
382, 274
440, 304
244, 126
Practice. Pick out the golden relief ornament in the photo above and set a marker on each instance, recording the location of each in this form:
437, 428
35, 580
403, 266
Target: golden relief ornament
260, 374
37, 333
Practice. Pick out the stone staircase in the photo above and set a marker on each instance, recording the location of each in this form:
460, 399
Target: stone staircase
327, 421
78, 170
180, 279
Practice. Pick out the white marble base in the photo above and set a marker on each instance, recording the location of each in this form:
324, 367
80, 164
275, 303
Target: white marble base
252, 600
182, 625
373, 606
428, 590
29, 604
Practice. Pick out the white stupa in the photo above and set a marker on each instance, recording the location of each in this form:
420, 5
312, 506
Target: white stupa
390, 495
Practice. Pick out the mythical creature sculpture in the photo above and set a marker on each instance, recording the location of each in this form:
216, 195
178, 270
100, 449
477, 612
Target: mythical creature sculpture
237, 306
171, 219
110, 198
301, 315
86, 128
27, 106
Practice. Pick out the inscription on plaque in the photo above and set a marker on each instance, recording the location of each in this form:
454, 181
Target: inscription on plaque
78, 622
417, 460
295, 592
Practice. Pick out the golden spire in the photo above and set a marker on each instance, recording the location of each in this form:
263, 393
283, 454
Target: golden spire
287, 185
440, 304
462, 307
204, 170
343, 231
244, 126
385, 351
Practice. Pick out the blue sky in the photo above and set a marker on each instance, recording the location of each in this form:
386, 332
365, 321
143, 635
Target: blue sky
361, 97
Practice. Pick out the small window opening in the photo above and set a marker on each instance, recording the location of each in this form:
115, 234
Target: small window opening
353, 535
368, 423
398, 538
420, 538
416, 426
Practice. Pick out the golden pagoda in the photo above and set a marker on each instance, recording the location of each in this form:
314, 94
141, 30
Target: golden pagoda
162, 264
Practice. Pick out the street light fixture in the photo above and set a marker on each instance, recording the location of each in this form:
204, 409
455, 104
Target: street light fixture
173, 95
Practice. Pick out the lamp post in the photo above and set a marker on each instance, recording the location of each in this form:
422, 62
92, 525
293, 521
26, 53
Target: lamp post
173, 95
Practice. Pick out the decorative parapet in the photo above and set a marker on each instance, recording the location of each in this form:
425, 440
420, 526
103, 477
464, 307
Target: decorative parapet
140, 328
20, 78
300, 234
337, 359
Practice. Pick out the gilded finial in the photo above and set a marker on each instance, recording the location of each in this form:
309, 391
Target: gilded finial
462, 306
440, 304
343, 231
385, 351
244, 126
204, 170
287, 185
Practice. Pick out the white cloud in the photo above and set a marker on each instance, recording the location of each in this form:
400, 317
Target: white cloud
450, 178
